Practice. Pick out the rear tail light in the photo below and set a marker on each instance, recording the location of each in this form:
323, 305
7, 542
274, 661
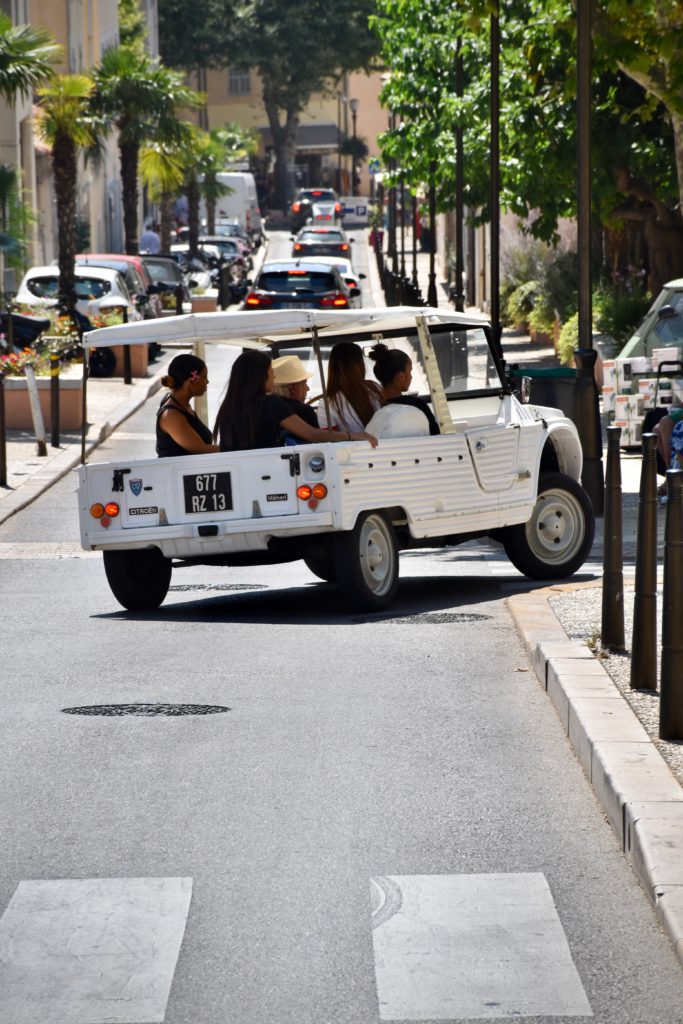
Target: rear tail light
304, 492
254, 299
337, 208
296, 207
319, 491
97, 510
111, 509
337, 300
344, 247
297, 246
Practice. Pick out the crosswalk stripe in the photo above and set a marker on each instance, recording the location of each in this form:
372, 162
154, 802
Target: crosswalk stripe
91, 950
455, 947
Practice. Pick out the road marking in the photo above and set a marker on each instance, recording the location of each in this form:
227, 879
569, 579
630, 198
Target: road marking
450, 947
90, 951
61, 549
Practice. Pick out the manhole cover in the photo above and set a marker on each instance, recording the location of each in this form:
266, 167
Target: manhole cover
146, 710
438, 618
218, 586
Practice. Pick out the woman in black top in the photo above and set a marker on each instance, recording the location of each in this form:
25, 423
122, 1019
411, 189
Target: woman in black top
251, 417
179, 429
394, 370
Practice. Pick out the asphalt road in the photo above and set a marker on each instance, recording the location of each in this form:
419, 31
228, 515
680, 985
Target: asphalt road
414, 748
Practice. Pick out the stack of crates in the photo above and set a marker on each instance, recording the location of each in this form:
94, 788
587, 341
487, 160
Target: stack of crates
632, 388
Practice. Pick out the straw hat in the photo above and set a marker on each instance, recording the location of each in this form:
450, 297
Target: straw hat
289, 370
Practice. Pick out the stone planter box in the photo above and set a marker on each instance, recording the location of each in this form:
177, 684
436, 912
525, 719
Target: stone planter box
18, 406
138, 360
204, 303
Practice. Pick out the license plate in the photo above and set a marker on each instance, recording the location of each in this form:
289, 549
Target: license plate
207, 492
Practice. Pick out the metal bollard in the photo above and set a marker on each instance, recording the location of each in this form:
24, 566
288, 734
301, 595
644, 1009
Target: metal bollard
3, 434
127, 367
179, 300
671, 681
644, 638
612, 634
586, 416
54, 398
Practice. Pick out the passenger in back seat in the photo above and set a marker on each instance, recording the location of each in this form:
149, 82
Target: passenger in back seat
251, 416
394, 370
179, 430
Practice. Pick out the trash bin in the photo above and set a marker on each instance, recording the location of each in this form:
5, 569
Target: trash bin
553, 386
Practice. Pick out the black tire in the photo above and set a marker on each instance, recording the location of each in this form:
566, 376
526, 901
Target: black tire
321, 567
102, 362
366, 562
139, 580
558, 536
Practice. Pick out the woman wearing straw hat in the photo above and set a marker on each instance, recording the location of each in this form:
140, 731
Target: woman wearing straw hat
291, 383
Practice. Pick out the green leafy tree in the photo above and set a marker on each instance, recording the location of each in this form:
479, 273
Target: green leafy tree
141, 99
27, 58
65, 123
292, 46
132, 26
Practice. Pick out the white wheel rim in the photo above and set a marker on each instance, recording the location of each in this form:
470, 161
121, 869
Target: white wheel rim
557, 527
377, 555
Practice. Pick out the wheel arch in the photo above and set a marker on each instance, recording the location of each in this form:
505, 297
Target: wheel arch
562, 452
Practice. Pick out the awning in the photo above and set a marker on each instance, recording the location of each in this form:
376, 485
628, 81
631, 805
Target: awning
311, 138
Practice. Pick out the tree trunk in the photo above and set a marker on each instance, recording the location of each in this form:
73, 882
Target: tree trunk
192, 193
129, 153
665, 248
677, 124
284, 144
211, 215
166, 221
65, 170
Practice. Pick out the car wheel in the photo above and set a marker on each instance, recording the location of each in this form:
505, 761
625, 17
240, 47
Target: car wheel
321, 567
139, 580
557, 538
366, 562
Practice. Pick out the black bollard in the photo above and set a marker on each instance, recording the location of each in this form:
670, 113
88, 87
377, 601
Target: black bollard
587, 419
127, 365
3, 434
671, 681
644, 638
179, 300
54, 398
612, 634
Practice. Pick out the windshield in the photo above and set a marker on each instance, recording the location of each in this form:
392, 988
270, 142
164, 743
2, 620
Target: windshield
86, 287
164, 271
319, 195
291, 281
321, 236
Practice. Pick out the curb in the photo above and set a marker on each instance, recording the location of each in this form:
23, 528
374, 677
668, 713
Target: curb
70, 457
639, 794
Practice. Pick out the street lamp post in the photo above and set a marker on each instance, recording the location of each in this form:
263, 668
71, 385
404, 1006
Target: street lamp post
341, 98
354, 113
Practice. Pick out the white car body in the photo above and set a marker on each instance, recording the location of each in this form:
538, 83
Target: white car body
39, 287
480, 476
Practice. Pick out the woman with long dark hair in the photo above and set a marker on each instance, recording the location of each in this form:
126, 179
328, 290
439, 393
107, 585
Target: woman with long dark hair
352, 399
251, 417
179, 430
394, 370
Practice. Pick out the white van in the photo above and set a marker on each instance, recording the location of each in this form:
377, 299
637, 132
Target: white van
240, 204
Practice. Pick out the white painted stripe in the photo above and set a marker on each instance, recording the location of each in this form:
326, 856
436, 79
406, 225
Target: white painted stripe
90, 951
20, 550
451, 947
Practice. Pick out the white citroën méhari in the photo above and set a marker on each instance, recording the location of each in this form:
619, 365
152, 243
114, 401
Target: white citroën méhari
499, 467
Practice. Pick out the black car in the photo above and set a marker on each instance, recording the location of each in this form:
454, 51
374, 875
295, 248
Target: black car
315, 204
317, 241
290, 284
165, 273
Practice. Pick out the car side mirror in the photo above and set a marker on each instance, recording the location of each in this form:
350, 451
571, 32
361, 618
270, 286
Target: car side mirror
362, 276
666, 313
354, 293
192, 283
525, 390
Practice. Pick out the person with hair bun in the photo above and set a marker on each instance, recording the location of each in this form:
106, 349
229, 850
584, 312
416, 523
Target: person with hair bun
394, 370
179, 430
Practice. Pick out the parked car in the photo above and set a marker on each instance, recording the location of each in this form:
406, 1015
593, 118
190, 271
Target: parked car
295, 284
317, 241
98, 290
166, 274
662, 325
348, 275
229, 246
134, 273
315, 204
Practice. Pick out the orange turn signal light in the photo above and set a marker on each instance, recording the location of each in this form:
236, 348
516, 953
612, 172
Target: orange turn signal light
111, 509
304, 492
97, 510
319, 491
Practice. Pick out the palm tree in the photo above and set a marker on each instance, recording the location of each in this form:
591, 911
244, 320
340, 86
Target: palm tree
65, 124
140, 98
162, 170
27, 56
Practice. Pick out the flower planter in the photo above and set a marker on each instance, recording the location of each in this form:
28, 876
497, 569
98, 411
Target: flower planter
18, 407
204, 303
139, 360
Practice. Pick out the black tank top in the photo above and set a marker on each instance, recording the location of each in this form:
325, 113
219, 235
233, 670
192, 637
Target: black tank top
166, 446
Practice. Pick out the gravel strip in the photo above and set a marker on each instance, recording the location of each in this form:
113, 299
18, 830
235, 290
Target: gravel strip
577, 611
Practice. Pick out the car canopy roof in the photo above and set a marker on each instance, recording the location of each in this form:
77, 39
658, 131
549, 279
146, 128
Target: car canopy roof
261, 328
